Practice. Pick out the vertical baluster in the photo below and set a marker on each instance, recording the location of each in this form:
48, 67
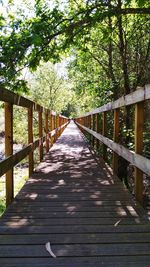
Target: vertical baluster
139, 124
46, 131
9, 151
116, 139
104, 130
30, 139
98, 131
40, 135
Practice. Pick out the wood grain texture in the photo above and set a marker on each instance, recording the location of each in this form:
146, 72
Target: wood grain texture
75, 203
137, 160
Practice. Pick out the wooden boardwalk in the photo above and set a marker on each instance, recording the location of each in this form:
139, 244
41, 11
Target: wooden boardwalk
73, 202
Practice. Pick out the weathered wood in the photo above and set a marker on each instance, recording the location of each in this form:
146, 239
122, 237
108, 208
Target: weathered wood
97, 261
104, 131
138, 96
93, 128
40, 134
9, 151
116, 139
97, 130
79, 250
21, 221
47, 131
85, 238
30, 139
15, 99
139, 124
12, 160
59, 229
72, 204
137, 160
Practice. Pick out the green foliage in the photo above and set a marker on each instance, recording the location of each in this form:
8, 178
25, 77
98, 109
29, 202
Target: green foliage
48, 89
48, 31
20, 126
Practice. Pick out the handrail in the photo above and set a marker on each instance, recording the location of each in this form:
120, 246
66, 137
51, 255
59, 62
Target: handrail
90, 123
54, 125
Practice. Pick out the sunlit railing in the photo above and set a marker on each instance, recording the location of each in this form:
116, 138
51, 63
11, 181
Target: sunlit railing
48, 133
89, 123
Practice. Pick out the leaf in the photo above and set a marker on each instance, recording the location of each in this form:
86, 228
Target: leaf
48, 248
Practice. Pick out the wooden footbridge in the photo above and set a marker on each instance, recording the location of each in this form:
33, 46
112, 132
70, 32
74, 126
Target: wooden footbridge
73, 199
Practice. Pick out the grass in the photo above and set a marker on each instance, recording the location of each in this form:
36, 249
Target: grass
20, 177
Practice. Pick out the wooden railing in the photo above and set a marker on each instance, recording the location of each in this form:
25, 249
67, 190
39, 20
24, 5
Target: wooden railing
89, 123
53, 126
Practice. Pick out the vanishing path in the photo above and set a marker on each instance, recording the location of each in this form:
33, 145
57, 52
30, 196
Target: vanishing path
73, 202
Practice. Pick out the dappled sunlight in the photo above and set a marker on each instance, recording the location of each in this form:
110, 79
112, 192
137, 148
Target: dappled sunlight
70, 199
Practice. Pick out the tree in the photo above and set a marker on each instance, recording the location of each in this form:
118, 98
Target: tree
49, 90
51, 30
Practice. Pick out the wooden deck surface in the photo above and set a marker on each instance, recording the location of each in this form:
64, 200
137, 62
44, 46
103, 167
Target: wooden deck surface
73, 202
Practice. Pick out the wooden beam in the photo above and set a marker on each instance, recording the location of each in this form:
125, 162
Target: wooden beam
11, 161
104, 131
30, 139
93, 128
46, 131
15, 99
116, 139
137, 160
9, 151
52, 128
137, 96
139, 124
97, 130
40, 134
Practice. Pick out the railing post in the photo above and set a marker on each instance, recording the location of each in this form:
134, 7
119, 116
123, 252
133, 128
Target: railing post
90, 126
104, 129
97, 130
51, 127
46, 131
139, 123
57, 125
9, 151
116, 139
54, 121
30, 139
93, 128
40, 135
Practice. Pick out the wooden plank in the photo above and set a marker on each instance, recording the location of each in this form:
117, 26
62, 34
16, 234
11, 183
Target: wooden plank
75, 238
75, 250
97, 130
139, 125
59, 229
15, 99
40, 124
53, 197
139, 95
76, 208
11, 161
116, 139
20, 221
73, 204
74, 214
9, 151
98, 261
104, 131
46, 131
30, 140
89, 203
137, 160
